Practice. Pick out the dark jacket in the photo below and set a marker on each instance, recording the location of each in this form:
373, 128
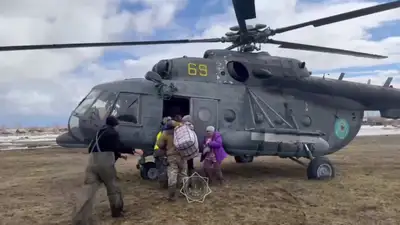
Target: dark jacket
109, 141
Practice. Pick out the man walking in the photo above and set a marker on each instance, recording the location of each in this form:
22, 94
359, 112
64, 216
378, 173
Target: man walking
101, 170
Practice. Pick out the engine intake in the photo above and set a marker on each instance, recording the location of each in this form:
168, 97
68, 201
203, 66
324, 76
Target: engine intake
238, 71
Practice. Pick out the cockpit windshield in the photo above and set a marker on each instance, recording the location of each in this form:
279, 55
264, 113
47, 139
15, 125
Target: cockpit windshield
91, 113
87, 102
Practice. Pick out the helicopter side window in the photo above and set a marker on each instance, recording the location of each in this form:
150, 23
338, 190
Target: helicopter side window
87, 102
126, 108
102, 105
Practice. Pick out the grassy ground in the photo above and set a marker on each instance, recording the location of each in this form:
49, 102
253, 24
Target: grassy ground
41, 187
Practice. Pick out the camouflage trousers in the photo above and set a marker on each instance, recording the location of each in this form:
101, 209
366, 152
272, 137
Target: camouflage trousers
100, 170
176, 170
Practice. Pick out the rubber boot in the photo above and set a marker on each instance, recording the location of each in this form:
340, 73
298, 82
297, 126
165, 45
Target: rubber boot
190, 172
116, 209
219, 176
163, 184
116, 212
210, 175
172, 193
179, 187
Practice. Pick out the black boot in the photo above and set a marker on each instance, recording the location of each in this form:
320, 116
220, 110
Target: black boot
172, 193
117, 207
116, 212
191, 172
220, 177
163, 184
211, 176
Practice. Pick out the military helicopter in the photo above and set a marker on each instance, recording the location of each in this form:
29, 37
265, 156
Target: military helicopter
263, 105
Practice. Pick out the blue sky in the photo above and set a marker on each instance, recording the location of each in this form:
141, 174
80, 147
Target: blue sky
186, 19
195, 10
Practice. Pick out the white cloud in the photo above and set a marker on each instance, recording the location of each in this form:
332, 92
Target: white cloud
44, 82
36, 74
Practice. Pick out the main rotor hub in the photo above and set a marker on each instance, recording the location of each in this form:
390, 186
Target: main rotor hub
246, 42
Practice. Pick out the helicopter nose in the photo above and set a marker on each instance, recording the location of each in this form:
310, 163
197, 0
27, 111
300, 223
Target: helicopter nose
65, 140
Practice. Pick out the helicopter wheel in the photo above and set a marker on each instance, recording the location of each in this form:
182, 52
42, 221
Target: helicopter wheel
320, 168
148, 171
244, 159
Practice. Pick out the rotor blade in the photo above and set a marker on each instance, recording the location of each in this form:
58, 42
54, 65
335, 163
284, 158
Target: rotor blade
342, 16
105, 44
244, 10
291, 45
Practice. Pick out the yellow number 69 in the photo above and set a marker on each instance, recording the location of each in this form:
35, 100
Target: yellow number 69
197, 69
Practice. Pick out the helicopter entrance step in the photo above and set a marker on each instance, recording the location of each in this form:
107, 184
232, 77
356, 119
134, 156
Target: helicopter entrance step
176, 106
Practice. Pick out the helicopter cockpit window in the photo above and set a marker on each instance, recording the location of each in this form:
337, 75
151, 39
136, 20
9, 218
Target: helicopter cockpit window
126, 108
102, 106
87, 102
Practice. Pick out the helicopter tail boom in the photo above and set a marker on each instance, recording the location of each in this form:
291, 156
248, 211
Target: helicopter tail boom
371, 97
390, 113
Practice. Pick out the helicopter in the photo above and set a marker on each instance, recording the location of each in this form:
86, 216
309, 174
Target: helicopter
263, 105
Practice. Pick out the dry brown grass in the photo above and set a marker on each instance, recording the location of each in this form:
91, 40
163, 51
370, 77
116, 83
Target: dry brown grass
40, 187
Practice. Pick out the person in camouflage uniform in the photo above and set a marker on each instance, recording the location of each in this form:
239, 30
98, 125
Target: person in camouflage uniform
177, 166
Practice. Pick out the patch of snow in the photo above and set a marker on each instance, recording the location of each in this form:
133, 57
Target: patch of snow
36, 141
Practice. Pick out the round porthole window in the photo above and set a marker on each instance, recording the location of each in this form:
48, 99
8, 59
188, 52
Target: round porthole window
229, 115
204, 114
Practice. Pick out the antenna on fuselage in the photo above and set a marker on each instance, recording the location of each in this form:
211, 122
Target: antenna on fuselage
341, 76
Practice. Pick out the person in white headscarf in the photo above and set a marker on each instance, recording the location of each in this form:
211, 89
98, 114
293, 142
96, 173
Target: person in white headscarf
213, 154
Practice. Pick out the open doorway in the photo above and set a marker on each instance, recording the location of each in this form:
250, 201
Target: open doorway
176, 106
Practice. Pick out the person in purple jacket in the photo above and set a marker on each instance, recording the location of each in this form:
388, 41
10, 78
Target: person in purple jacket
213, 155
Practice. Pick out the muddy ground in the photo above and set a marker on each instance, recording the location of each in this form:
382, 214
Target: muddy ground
41, 187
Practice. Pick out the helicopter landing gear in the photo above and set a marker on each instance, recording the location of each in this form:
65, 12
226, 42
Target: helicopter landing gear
319, 168
148, 171
244, 159
147, 167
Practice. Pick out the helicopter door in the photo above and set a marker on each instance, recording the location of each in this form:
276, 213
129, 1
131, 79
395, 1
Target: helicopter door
139, 118
204, 113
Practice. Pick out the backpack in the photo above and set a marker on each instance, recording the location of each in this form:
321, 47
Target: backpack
185, 141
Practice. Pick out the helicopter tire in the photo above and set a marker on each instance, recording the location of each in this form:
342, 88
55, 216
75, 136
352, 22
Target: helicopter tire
320, 168
148, 171
244, 159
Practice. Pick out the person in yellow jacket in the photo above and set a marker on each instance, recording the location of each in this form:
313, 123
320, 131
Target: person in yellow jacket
158, 137
160, 158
